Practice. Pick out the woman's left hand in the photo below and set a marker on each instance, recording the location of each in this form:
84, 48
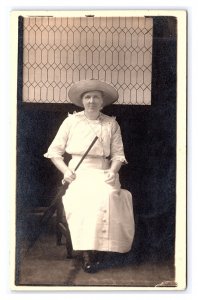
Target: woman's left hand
110, 177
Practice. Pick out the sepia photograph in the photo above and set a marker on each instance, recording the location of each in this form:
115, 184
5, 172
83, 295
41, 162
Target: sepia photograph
99, 197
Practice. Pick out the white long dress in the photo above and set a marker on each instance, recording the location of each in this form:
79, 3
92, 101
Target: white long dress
99, 215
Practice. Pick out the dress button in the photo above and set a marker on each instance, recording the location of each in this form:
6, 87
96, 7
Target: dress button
104, 220
104, 230
104, 210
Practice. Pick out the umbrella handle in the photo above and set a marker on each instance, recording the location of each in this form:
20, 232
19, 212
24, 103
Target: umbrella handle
83, 157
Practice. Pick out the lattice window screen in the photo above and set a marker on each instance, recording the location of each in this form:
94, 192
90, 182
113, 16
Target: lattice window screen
60, 51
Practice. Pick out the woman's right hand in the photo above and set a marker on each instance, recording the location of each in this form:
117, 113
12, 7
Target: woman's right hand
69, 176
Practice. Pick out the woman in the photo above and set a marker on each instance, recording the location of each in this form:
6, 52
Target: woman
99, 213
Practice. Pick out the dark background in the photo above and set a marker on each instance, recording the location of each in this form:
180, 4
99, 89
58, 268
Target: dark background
149, 136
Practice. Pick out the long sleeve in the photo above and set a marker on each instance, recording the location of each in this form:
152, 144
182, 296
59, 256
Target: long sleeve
117, 149
58, 145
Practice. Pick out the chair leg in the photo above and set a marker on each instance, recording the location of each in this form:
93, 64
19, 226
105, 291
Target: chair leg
58, 236
59, 217
65, 231
69, 246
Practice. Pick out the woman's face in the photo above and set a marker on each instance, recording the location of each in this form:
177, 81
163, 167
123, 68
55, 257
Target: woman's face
92, 101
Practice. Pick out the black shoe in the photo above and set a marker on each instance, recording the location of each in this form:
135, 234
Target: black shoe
89, 265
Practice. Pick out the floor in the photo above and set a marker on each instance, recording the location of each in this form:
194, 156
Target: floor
45, 264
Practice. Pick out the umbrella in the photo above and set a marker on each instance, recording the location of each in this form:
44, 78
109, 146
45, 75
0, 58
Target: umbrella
57, 200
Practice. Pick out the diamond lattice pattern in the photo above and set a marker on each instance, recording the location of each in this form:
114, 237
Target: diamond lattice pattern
60, 51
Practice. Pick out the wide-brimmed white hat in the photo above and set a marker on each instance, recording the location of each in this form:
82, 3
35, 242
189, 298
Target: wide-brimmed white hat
75, 93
